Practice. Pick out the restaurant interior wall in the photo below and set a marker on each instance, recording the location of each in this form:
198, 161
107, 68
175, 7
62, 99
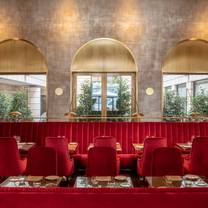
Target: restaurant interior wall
148, 28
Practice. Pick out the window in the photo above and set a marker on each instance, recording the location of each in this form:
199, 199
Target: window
185, 69
192, 95
103, 83
200, 85
23, 73
24, 93
104, 94
181, 90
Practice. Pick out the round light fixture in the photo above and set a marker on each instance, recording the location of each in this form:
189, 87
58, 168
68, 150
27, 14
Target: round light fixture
149, 91
59, 91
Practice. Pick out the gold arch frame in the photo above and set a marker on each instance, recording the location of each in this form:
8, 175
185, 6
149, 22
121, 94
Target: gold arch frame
29, 72
99, 67
188, 56
12, 62
103, 55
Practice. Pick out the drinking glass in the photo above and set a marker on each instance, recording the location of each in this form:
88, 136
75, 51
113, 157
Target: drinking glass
22, 181
36, 183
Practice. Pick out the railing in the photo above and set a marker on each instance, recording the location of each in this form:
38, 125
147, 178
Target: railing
186, 118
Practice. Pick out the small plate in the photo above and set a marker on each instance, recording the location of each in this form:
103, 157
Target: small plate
191, 177
52, 178
121, 178
201, 183
14, 178
34, 178
103, 178
50, 185
125, 185
186, 146
174, 178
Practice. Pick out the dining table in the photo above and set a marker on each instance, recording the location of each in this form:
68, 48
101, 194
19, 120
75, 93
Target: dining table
31, 181
138, 147
176, 181
184, 147
103, 182
73, 148
118, 146
25, 146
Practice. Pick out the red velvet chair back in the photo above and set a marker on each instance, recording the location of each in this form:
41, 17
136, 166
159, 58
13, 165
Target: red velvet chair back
60, 144
199, 156
167, 161
105, 141
102, 161
41, 161
10, 164
150, 144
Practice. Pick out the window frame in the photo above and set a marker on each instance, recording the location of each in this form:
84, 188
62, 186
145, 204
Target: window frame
104, 89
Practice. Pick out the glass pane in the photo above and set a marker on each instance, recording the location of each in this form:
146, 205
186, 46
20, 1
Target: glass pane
96, 93
25, 94
181, 90
118, 95
89, 95
201, 86
188, 93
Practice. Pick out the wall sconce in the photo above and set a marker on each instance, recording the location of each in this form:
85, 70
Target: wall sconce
149, 91
59, 91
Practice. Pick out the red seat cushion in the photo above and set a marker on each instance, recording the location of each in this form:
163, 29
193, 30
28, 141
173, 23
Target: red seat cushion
187, 166
65, 163
167, 161
199, 157
102, 161
10, 162
105, 141
145, 163
42, 161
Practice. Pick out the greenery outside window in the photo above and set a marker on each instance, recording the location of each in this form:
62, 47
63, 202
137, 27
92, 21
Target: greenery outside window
104, 94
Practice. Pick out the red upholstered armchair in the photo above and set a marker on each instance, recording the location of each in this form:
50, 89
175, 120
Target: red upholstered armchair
10, 162
105, 141
41, 161
150, 144
198, 162
102, 161
65, 163
167, 161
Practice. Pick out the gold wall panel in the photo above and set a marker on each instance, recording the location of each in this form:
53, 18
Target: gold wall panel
188, 56
103, 55
20, 56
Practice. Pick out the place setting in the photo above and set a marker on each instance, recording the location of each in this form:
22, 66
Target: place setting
119, 181
31, 181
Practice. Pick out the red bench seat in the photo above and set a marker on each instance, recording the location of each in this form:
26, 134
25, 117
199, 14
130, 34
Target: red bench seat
104, 198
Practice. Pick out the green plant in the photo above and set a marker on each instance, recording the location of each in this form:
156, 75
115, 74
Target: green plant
85, 100
174, 105
4, 105
200, 103
123, 103
19, 103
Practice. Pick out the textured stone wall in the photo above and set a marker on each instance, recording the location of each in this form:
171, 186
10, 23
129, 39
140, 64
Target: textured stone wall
148, 27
